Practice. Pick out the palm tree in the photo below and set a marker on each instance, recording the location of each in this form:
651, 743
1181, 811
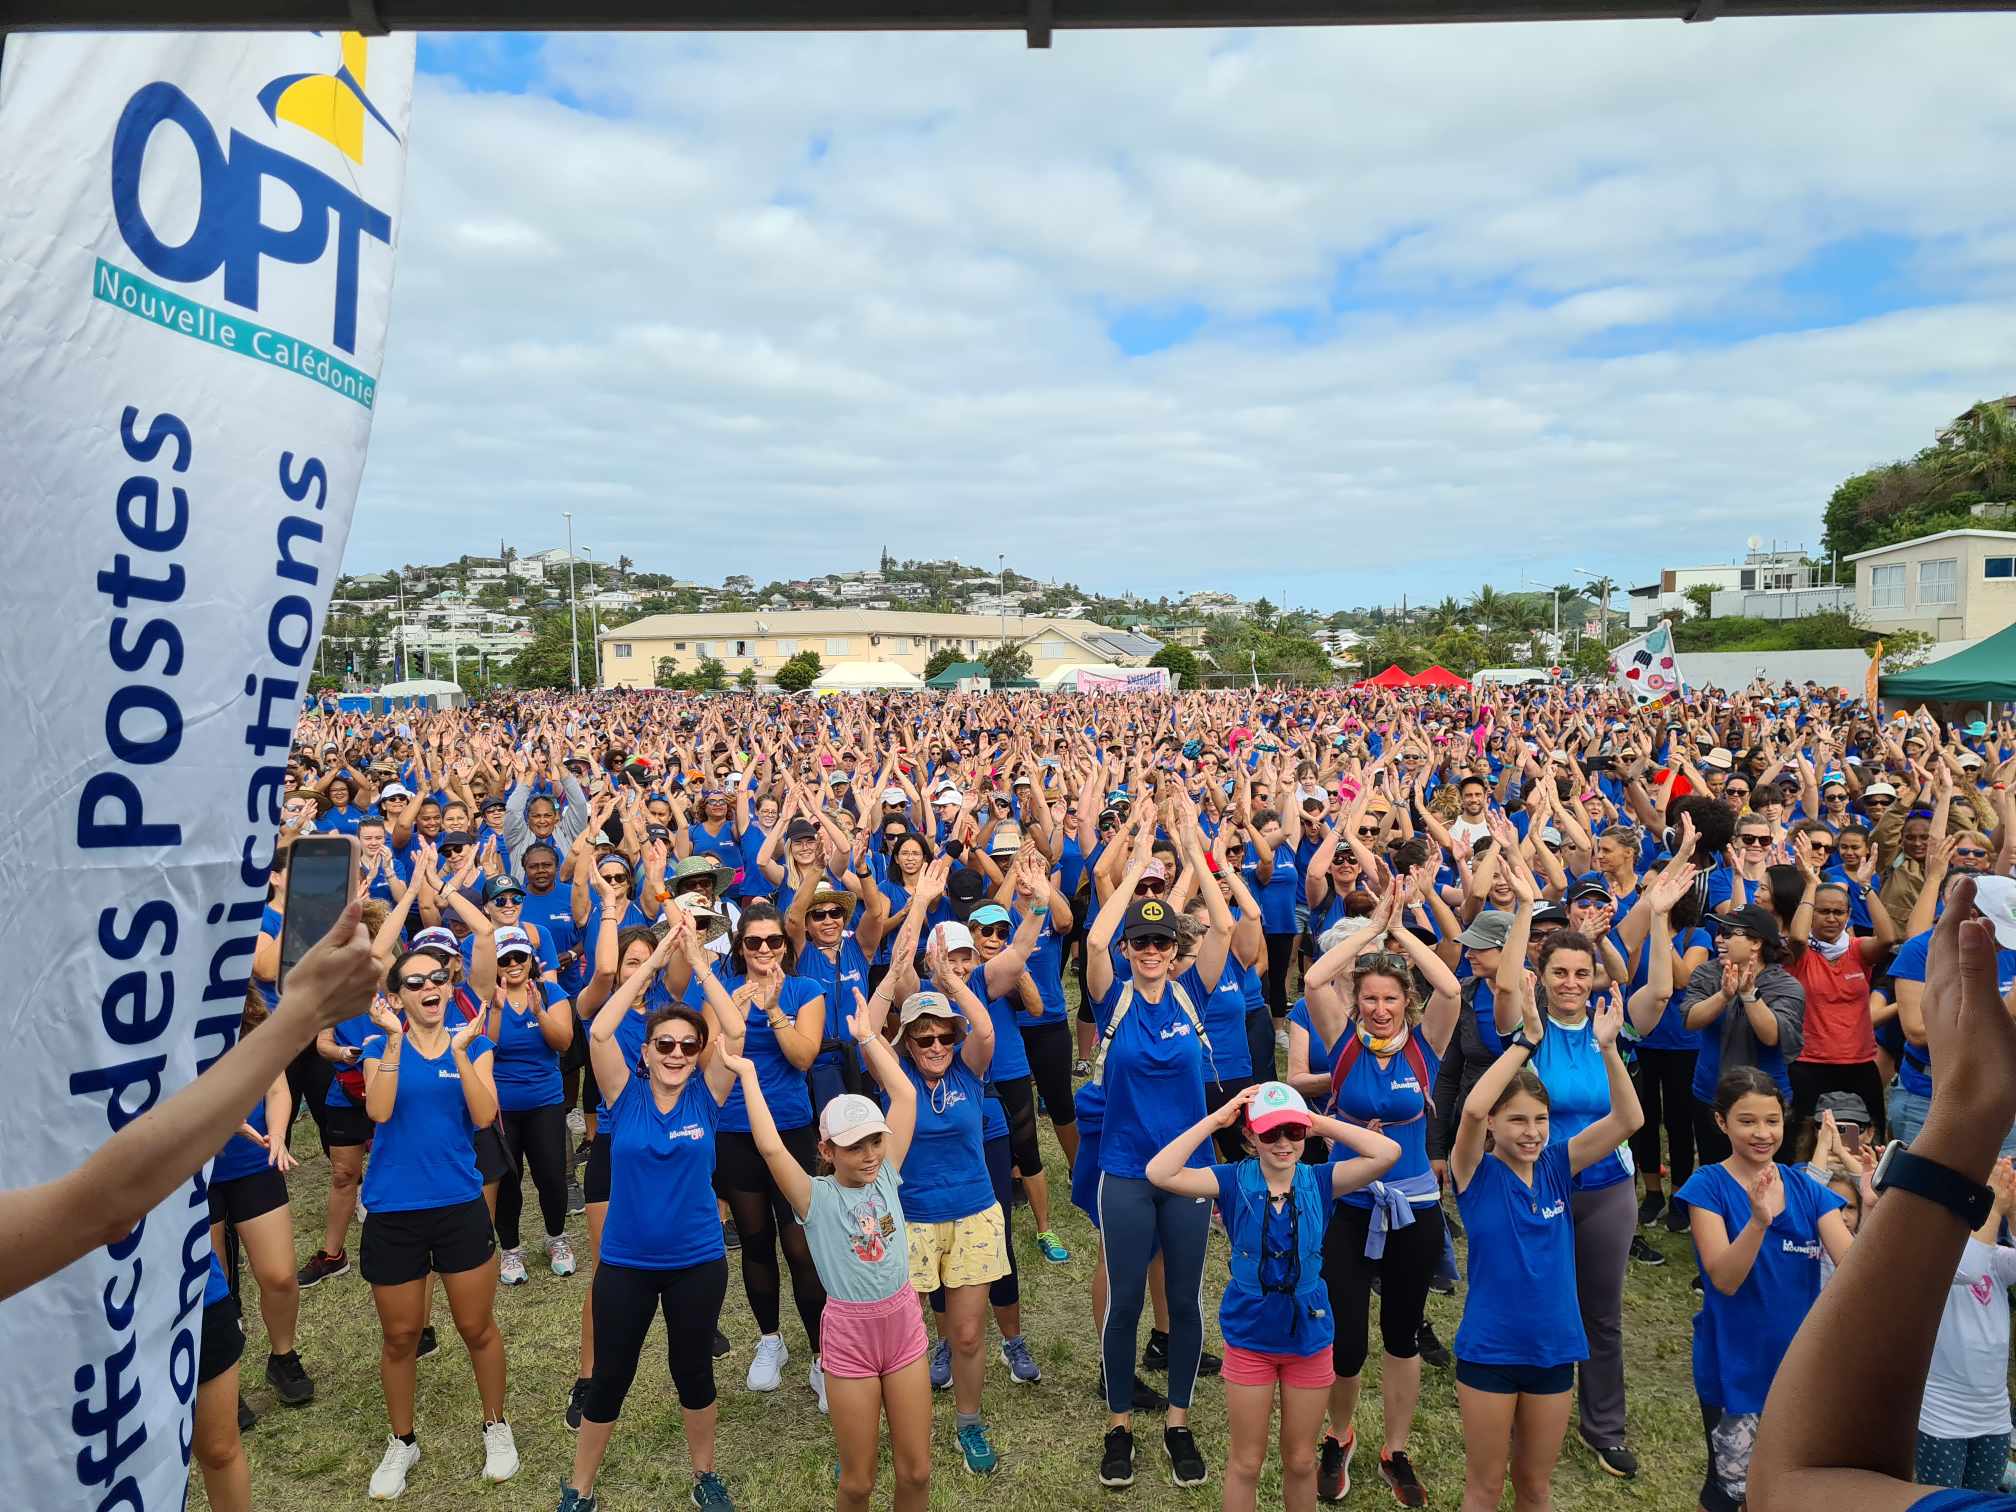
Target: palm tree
1978, 452
623, 566
1487, 606
1444, 616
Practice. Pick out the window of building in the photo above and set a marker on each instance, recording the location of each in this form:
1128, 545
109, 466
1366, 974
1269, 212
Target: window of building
621, 650
1939, 582
1999, 567
1886, 587
787, 648
703, 648
741, 648
1050, 650
838, 646
678, 645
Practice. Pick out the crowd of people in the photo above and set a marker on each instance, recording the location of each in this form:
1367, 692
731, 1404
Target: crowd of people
1346, 976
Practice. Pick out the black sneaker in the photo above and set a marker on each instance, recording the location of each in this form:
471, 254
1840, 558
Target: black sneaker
729, 1236
247, 1418
289, 1381
722, 1348
1645, 1254
1116, 1460
1146, 1397
428, 1344
583, 1150
321, 1267
1442, 1286
1615, 1459
1695, 1284
1433, 1350
1186, 1464
1398, 1472
1650, 1209
1333, 1467
577, 1199
1676, 1219
1156, 1356
575, 1399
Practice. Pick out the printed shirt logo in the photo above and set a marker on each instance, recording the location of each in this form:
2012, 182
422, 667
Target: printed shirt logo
686, 1131
1178, 1030
1553, 1210
1810, 1249
871, 1227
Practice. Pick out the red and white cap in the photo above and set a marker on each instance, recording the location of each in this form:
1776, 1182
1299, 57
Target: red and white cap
1276, 1103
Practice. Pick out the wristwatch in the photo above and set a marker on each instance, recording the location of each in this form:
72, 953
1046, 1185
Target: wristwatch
1899, 1168
1520, 1042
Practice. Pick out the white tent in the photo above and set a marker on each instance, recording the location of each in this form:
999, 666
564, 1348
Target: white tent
435, 693
1065, 679
853, 677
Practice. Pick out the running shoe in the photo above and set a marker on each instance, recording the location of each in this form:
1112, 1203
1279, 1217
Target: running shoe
816, 1379
1645, 1254
1333, 1467
389, 1479
500, 1452
289, 1381
573, 1501
1146, 1397
1021, 1364
1156, 1356
709, 1492
1676, 1219
577, 1199
577, 1123
1441, 1285
1080, 1069
941, 1365
560, 1255
1616, 1459
1116, 1460
1433, 1350
428, 1344
1398, 1472
1053, 1248
247, 1418
729, 1235
1650, 1208
722, 1348
321, 1267
576, 1399
1186, 1462
511, 1268
766, 1371
978, 1450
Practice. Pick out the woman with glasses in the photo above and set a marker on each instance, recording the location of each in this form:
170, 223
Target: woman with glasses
427, 1091
1750, 1011
1835, 968
1744, 881
1274, 1312
835, 957
661, 1246
531, 1023
1386, 1046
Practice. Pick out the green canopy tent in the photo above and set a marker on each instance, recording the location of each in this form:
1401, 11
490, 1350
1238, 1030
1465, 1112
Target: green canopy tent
949, 680
1982, 674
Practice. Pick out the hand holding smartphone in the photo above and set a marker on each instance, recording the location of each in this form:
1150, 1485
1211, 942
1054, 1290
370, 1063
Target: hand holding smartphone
321, 881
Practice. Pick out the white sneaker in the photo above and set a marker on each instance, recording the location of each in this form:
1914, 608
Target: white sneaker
511, 1269
389, 1479
1281, 1039
560, 1255
500, 1452
577, 1122
818, 1381
766, 1371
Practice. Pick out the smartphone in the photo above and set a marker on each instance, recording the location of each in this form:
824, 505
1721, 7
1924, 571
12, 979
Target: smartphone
321, 880
1851, 1137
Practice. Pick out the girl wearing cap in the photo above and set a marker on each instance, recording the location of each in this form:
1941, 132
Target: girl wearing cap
873, 1329
1522, 1328
531, 1022
1147, 1085
1386, 1046
661, 1248
1274, 1313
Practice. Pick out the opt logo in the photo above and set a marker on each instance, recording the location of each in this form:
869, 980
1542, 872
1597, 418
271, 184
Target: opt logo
229, 232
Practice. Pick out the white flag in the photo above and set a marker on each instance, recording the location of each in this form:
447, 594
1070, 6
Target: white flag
196, 242
1646, 668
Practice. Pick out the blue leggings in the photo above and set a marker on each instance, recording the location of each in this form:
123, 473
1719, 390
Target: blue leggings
1136, 1219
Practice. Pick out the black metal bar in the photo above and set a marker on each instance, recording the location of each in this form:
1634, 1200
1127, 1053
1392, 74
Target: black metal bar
890, 15
1042, 17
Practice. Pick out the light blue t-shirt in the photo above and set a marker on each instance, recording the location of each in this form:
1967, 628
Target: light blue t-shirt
860, 1244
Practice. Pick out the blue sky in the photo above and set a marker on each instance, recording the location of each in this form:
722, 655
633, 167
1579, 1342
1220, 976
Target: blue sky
1339, 315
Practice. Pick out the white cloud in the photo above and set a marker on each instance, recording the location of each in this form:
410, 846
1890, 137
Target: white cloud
740, 353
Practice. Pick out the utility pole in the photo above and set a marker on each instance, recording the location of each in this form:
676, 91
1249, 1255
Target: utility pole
573, 623
1001, 590
594, 615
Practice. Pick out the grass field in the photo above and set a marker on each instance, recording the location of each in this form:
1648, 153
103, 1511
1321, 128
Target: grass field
775, 1450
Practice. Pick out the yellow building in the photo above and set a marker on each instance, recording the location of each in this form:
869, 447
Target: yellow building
1956, 585
765, 639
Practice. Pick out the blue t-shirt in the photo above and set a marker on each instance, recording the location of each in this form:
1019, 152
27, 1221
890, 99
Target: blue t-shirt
1046, 970
1010, 1058
527, 1068
352, 1032
1671, 1032
629, 1038
783, 1084
240, 1157
1740, 1340
1964, 1501
753, 884
721, 843
1393, 1095
661, 1178
837, 979
1522, 1308
1319, 1048
1152, 1086
945, 1172
1283, 890
1570, 1066
216, 1287
424, 1155
1224, 1015
340, 821
1914, 1067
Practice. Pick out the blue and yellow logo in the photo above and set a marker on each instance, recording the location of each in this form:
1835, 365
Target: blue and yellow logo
331, 105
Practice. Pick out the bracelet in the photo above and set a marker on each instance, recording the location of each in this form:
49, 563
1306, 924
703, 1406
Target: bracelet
1040, 909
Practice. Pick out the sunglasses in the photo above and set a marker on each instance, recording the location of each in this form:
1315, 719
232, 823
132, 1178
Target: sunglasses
415, 983
1877, 802
1367, 834
824, 915
1152, 942
926, 1041
515, 958
453, 850
763, 942
616, 879
508, 900
1283, 1134
1000, 931
687, 1046
1152, 888
1754, 842
1969, 854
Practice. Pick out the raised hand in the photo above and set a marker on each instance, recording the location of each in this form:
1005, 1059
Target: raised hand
1235, 1107
1664, 893
868, 1017
1607, 1022
385, 1017
1767, 1196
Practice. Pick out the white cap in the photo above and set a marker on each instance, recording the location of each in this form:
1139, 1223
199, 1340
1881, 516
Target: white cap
893, 795
949, 795
951, 936
1878, 790
514, 938
851, 1118
395, 790
1996, 898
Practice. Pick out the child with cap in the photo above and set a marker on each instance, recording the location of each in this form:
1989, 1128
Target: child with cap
872, 1328
1275, 1311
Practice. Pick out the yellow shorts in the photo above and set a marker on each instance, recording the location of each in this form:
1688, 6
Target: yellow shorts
965, 1252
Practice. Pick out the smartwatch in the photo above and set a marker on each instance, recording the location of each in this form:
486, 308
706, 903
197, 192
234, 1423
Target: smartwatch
1898, 1168
1520, 1042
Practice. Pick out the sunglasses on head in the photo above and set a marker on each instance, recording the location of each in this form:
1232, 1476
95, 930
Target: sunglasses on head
824, 915
415, 983
763, 942
943, 1041
685, 1045
1283, 1134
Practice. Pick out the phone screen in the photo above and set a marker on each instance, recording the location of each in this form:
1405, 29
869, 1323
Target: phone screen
1851, 1136
321, 875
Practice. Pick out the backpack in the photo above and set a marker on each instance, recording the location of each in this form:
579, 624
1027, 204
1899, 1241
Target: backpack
1410, 1052
1120, 1014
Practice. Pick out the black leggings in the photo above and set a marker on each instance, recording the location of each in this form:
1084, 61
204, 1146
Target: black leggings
308, 1078
1711, 1145
536, 1137
764, 1220
625, 1299
1280, 956
1049, 1050
1664, 1079
1004, 1291
1017, 1096
1412, 1254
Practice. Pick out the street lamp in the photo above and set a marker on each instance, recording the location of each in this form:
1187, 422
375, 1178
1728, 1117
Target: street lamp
573, 624
594, 614
1001, 590
1554, 593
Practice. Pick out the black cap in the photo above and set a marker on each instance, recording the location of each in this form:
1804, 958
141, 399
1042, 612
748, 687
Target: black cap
965, 885
454, 837
802, 829
490, 803
1553, 913
1760, 922
1590, 888
1147, 917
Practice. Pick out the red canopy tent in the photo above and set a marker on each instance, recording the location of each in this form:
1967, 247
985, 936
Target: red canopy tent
1438, 677
1392, 677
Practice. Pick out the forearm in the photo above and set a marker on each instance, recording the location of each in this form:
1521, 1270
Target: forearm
1763, 1022
1175, 1155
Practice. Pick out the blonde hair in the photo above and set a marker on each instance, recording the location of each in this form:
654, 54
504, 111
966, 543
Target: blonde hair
1382, 963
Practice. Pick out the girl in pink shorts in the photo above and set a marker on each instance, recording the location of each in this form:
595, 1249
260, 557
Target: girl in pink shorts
1275, 1314
872, 1330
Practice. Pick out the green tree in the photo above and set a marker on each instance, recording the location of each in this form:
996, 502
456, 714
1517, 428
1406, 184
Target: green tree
1589, 658
746, 679
942, 658
668, 674
1394, 645
1702, 598
1461, 649
1905, 649
1978, 453
796, 675
1006, 663
710, 676
1263, 613
1181, 662
544, 662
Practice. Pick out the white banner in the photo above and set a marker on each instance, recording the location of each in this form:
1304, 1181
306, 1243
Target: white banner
1146, 680
1646, 667
196, 239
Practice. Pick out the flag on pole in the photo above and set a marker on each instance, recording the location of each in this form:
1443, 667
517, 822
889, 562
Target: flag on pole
1645, 667
1874, 680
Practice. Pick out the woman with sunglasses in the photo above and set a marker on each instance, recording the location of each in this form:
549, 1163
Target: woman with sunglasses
1386, 1047
1148, 1079
835, 957
661, 1248
1274, 1313
427, 1091
1835, 969
786, 1017
531, 1022
909, 854
1744, 879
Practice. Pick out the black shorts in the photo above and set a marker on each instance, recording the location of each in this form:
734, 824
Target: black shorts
343, 1127
223, 1340
1516, 1380
595, 1174
243, 1198
492, 1164
403, 1247
1017, 1097
739, 1166
1049, 1050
